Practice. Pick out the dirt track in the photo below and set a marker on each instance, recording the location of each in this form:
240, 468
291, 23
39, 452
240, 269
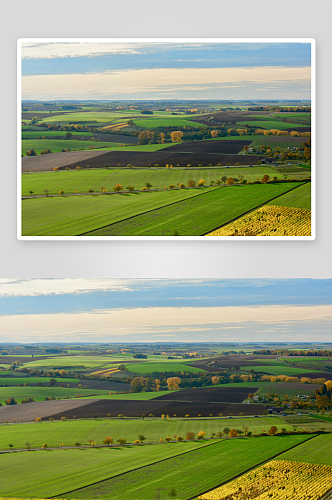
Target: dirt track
48, 162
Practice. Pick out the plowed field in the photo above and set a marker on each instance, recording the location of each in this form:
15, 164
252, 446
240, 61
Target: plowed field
210, 394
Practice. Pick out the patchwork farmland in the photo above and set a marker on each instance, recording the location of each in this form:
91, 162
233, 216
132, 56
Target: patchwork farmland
72, 157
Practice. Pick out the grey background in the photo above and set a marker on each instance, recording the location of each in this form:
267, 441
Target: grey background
170, 18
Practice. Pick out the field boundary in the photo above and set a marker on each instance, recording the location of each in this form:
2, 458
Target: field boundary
153, 210
251, 468
137, 468
253, 209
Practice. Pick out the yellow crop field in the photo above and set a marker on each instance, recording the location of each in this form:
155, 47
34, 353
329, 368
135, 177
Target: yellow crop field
278, 479
105, 373
270, 220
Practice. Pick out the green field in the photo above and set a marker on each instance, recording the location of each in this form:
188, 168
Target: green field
299, 198
283, 391
39, 132
172, 121
276, 370
197, 216
316, 451
189, 474
40, 393
57, 145
98, 361
167, 366
271, 124
52, 473
73, 215
70, 431
83, 180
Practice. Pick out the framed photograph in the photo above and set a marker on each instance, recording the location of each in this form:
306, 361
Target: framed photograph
204, 139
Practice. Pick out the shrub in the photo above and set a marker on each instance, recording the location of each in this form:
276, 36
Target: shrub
201, 435
179, 438
168, 439
190, 435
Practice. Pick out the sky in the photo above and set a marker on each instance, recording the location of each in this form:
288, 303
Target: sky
165, 310
165, 70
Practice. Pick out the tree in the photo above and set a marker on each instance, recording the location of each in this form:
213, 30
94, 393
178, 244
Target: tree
141, 437
171, 186
190, 435
265, 178
108, 440
226, 430
176, 136
215, 380
173, 383
69, 135
148, 185
31, 193
201, 183
11, 401
233, 433
230, 181
28, 445
77, 443
191, 183
90, 191
118, 188
122, 441
45, 445
214, 133
130, 188
201, 435
273, 429
31, 152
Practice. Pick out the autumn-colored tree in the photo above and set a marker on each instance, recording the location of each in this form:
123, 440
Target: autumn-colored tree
182, 186
214, 133
190, 435
162, 138
173, 383
45, 445
138, 383
265, 178
273, 429
55, 169
230, 181
176, 136
157, 384
201, 435
171, 186
215, 380
233, 433
118, 188
191, 184
201, 183
108, 440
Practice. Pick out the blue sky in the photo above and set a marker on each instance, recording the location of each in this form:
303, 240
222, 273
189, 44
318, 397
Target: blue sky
130, 310
146, 70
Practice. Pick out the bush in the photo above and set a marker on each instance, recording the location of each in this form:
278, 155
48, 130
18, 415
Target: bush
179, 438
11, 401
190, 435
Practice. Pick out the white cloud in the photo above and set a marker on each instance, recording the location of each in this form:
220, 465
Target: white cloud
53, 50
141, 323
144, 82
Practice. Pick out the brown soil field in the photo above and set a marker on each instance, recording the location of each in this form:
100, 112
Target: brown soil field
227, 362
121, 139
210, 395
299, 129
43, 409
27, 115
210, 146
48, 162
142, 159
315, 374
24, 359
104, 385
228, 117
113, 407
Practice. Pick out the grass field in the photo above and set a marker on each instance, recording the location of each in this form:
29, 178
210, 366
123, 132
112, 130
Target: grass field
153, 429
189, 474
299, 198
167, 366
39, 132
317, 451
40, 393
52, 473
77, 214
172, 121
68, 361
271, 124
277, 370
82, 180
57, 145
197, 216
